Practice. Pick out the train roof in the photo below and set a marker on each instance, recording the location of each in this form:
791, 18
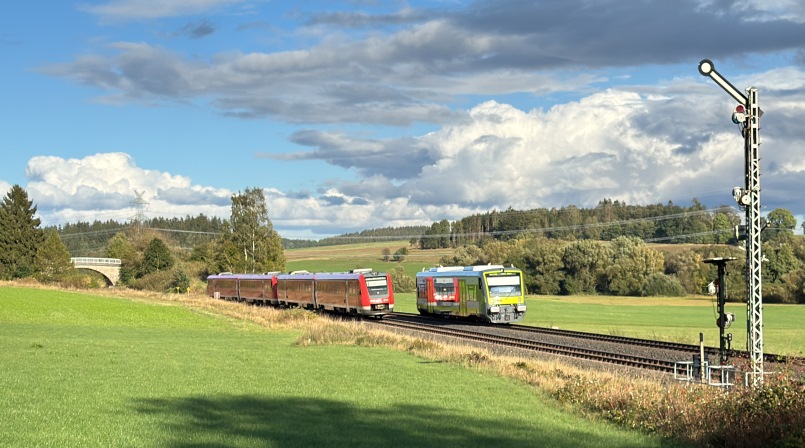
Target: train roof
225, 275
464, 271
329, 275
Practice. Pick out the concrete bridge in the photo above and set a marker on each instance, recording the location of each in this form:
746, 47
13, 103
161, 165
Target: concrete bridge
108, 267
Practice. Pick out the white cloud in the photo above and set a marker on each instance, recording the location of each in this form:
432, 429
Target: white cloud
125, 10
5, 187
640, 145
104, 186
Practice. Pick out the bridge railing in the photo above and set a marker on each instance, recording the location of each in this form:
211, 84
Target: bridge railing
89, 261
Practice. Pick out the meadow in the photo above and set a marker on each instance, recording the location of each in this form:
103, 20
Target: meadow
663, 318
91, 369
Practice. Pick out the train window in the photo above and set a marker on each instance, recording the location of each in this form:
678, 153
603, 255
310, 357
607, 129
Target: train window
444, 289
504, 285
377, 286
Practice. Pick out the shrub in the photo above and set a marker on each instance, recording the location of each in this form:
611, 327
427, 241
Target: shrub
155, 281
662, 285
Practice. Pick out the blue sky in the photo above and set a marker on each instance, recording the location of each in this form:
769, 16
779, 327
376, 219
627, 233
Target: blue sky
364, 114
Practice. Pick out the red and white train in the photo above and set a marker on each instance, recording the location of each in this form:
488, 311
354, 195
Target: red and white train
360, 291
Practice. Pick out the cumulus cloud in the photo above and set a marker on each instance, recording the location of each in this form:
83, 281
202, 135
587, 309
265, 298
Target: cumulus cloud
640, 145
636, 143
104, 186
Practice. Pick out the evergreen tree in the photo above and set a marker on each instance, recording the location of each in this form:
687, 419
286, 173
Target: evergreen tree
157, 257
52, 259
20, 235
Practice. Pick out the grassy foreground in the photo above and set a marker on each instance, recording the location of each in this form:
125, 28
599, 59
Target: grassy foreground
79, 369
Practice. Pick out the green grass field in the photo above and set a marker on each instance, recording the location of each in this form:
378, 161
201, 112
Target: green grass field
671, 319
84, 370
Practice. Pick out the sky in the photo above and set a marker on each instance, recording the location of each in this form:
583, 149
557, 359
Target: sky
362, 114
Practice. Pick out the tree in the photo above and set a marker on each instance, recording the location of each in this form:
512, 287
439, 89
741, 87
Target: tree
52, 261
130, 260
584, 264
632, 264
780, 222
251, 244
20, 235
543, 266
400, 281
399, 254
780, 260
157, 257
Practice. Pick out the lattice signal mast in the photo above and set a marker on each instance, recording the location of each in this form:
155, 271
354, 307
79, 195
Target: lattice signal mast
747, 115
139, 205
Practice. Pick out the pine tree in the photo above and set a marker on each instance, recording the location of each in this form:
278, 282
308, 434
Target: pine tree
52, 259
157, 257
20, 235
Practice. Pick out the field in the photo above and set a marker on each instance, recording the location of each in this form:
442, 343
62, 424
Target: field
368, 255
79, 369
673, 319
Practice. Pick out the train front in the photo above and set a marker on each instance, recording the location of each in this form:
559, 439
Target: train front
505, 296
377, 294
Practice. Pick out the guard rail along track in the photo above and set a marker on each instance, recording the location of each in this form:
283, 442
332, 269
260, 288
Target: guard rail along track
594, 355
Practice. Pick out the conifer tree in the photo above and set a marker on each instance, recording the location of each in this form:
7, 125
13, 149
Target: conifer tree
157, 257
52, 259
20, 235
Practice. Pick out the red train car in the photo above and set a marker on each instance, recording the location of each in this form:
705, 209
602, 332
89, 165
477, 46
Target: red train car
360, 291
253, 288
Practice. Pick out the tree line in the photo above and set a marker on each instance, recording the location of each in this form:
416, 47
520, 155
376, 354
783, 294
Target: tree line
561, 251
605, 222
153, 259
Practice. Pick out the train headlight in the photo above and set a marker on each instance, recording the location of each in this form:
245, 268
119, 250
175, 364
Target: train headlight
521, 308
494, 309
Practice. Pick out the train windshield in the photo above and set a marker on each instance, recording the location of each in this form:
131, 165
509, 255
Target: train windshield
504, 285
377, 286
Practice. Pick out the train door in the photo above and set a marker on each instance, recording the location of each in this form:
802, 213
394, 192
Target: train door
469, 296
431, 296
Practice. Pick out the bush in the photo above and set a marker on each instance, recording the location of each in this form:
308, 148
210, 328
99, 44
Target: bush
180, 282
155, 281
400, 281
662, 285
777, 293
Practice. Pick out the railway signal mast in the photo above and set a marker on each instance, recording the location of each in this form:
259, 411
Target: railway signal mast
747, 115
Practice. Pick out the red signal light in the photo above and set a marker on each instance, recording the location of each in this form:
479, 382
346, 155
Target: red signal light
740, 109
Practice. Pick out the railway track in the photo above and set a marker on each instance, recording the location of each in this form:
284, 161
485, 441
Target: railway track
642, 362
624, 340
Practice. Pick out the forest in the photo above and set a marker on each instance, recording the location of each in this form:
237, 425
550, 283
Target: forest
613, 248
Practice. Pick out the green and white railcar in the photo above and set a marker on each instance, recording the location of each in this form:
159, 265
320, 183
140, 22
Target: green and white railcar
491, 293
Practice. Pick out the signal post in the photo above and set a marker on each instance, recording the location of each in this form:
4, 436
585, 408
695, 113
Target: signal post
747, 115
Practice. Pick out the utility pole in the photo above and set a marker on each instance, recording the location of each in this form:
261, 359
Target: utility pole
747, 115
139, 204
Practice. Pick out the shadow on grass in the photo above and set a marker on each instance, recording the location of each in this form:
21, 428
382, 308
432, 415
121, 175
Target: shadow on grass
249, 421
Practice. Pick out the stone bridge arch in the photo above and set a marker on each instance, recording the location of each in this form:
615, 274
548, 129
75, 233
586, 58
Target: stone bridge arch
108, 267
